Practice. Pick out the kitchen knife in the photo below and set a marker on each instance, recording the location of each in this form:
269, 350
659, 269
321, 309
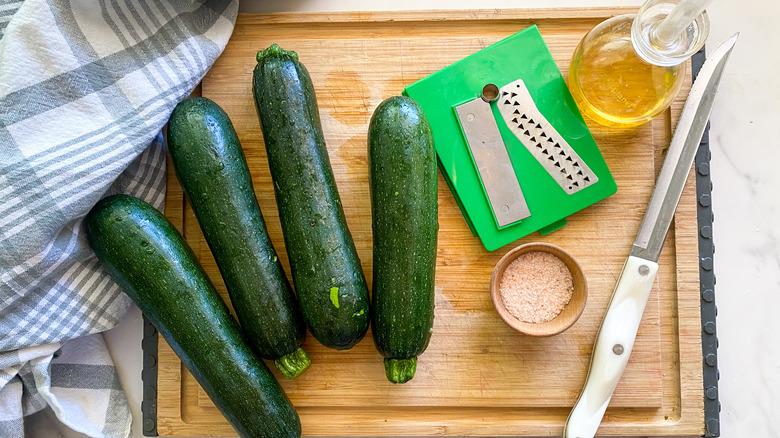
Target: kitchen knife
621, 321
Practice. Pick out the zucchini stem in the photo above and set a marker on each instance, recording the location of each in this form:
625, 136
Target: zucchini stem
400, 370
274, 49
293, 364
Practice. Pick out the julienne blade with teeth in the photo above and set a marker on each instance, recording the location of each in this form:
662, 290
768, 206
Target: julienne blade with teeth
542, 140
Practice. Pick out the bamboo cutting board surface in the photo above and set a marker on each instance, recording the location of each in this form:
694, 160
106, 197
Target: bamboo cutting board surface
478, 377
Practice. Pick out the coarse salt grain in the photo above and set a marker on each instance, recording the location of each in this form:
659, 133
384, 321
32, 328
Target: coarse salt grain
536, 286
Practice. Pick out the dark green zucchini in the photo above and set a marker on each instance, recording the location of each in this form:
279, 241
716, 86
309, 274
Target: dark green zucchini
325, 266
402, 177
148, 258
213, 172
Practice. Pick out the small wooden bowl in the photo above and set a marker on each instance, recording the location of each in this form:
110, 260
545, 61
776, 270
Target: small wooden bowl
568, 315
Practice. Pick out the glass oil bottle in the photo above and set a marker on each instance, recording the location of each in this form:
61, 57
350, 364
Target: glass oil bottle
623, 74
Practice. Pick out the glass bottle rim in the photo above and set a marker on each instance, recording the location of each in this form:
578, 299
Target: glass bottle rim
646, 44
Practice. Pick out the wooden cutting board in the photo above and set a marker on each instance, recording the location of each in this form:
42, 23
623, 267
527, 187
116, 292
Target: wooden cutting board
478, 377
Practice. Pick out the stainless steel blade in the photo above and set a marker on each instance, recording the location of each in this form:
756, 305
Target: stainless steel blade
681, 153
542, 140
492, 162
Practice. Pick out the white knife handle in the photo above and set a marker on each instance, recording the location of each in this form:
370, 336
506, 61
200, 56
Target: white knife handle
613, 346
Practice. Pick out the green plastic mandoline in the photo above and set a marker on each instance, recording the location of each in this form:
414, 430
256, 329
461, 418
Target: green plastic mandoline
524, 56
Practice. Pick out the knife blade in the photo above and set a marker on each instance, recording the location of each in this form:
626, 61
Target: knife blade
617, 334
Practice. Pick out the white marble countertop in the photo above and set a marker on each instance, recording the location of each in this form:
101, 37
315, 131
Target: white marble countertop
746, 206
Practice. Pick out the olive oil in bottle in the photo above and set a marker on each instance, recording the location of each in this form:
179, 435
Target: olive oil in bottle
622, 74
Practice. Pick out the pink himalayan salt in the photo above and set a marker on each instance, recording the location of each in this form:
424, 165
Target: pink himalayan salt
536, 286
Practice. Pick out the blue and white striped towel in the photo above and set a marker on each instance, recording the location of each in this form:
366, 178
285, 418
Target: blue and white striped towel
85, 89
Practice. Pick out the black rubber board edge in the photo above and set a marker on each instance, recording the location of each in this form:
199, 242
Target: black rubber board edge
149, 379
709, 311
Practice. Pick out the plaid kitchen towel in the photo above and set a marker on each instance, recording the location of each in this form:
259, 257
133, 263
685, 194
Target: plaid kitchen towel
77, 381
85, 88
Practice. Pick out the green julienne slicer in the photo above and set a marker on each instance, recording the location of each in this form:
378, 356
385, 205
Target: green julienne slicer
511, 143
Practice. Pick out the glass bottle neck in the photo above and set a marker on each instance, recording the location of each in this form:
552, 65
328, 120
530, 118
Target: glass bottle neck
654, 51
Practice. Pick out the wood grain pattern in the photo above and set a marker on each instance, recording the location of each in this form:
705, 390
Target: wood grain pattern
478, 377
